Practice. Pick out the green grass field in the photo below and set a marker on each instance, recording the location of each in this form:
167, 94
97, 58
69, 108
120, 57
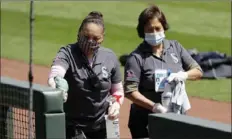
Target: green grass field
201, 25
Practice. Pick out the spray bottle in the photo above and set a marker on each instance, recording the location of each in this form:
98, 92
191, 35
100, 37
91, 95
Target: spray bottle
112, 126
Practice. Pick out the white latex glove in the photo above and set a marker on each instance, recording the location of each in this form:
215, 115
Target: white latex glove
179, 76
51, 82
113, 111
158, 108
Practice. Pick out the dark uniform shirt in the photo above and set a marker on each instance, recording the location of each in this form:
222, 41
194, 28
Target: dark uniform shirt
142, 63
86, 105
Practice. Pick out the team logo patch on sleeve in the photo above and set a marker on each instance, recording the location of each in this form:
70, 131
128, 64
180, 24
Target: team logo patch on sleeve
57, 58
174, 57
130, 73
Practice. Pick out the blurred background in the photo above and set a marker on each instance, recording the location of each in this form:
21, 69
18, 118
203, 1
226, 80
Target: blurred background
202, 26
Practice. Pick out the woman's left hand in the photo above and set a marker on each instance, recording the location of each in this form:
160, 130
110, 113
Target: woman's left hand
113, 111
179, 76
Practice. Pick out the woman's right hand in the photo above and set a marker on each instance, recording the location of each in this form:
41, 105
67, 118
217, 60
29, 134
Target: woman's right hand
158, 108
113, 111
60, 83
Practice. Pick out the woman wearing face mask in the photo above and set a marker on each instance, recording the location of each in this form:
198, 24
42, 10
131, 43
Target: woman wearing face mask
154, 54
93, 74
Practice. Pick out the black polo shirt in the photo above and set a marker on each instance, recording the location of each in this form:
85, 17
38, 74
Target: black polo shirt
142, 63
86, 105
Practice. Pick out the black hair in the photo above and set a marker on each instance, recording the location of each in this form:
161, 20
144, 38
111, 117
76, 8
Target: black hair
93, 17
147, 14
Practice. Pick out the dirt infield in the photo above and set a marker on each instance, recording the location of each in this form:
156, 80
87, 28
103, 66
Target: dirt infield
207, 109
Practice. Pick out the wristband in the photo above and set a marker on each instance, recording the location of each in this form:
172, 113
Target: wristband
117, 98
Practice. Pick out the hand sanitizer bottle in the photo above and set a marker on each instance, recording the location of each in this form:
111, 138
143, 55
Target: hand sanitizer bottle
112, 126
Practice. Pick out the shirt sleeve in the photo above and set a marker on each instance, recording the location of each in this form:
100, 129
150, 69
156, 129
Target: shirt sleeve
62, 59
187, 60
132, 74
116, 76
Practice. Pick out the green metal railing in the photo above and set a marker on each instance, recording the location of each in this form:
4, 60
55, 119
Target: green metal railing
49, 117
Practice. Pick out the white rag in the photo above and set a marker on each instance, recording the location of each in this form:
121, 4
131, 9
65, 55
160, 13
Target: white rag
179, 100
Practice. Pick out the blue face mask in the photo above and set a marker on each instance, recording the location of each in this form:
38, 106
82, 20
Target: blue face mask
154, 39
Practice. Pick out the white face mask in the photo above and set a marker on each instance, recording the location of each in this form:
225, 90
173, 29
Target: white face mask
154, 39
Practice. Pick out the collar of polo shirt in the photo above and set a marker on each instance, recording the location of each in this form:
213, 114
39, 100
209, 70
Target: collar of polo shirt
145, 47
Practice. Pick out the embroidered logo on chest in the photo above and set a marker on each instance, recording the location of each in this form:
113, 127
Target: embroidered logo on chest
174, 57
104, 72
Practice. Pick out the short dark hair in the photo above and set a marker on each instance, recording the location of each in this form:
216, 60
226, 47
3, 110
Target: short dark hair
147, 14
93, 17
